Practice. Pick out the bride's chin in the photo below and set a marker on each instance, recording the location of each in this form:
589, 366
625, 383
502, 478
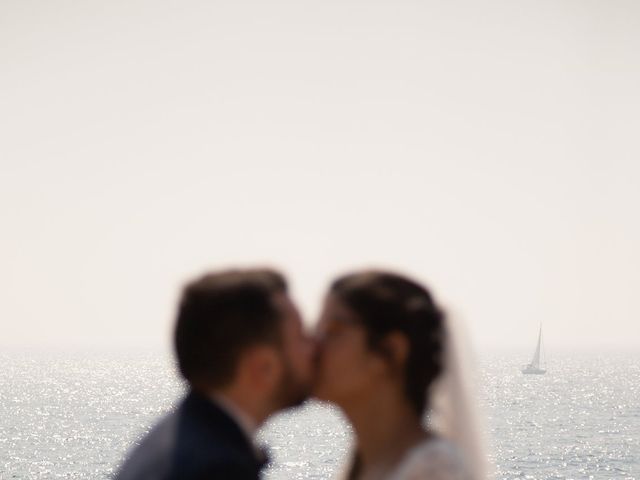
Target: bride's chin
319, 393
326, 400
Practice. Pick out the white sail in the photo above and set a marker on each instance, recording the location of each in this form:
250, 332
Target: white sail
534, 366
535, 362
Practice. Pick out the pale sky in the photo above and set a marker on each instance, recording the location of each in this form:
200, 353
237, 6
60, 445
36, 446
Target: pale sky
488, 148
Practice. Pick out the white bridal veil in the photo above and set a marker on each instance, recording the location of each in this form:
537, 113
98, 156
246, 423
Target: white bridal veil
454, 404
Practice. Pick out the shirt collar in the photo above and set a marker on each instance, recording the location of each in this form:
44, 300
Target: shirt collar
247, 424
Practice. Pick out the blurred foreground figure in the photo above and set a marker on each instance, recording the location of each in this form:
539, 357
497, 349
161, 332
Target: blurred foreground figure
240, 346
387, 357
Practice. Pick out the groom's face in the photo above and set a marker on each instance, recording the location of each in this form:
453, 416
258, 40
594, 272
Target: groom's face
297, 355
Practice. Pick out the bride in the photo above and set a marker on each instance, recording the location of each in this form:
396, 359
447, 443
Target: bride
387, 358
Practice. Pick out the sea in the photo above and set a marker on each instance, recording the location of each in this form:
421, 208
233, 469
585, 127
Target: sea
74, 415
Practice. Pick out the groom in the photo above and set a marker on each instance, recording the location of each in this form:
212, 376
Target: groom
241, 348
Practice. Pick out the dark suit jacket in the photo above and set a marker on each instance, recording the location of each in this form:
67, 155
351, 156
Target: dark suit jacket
197, 441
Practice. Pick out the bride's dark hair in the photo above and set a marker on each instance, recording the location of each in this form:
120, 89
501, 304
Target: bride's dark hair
386, 302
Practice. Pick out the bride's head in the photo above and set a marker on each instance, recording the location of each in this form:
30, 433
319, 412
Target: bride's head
378, 332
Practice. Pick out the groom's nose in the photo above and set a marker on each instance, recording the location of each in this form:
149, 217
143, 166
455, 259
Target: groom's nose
313, 345
317, 348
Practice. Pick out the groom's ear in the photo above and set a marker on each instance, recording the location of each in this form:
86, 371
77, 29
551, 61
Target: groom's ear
396, 346
263, 367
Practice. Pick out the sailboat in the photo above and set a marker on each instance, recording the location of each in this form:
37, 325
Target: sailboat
534, 367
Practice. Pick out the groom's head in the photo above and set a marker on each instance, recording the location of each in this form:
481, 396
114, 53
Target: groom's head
238, 332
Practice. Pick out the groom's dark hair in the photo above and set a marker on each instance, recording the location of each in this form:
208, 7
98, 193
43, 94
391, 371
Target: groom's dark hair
220, 315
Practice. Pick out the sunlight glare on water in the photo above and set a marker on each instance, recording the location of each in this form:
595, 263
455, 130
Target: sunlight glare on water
74, 415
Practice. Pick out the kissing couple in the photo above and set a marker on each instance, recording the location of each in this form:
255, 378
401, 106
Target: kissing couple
383, 352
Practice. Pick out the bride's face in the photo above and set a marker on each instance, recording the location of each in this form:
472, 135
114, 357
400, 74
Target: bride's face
347, 370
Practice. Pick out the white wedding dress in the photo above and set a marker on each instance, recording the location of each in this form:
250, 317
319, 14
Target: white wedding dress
433, 459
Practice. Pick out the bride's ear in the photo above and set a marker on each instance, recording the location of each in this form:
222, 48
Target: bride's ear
396, 346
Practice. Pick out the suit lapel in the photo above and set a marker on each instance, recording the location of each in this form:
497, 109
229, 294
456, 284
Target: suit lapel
217, 420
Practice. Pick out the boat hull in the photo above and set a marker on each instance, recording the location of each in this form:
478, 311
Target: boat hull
533, 371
